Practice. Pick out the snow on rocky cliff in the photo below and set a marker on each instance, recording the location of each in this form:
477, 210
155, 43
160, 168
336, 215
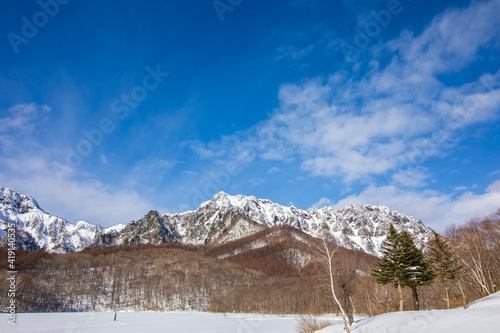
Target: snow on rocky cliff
40, 230
223, 218
359, 227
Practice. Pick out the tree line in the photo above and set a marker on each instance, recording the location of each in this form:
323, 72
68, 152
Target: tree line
467, 257
285, 275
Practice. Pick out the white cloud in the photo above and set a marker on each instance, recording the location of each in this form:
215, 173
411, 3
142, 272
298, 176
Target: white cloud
24, 117
104, 159
74, 200
494, 172
391, 119
254, 182
414, 177
148, 171
434, 208
321, 203
26, 168
293, 52
452, 40
460, 188
384, 123
23, 122
205, 151
274, 169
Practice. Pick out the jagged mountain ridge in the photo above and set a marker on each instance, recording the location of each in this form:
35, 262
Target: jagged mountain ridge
359, 227
222, 219
37, 229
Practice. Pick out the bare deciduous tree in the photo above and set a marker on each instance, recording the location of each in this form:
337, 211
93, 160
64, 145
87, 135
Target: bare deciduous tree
326, 252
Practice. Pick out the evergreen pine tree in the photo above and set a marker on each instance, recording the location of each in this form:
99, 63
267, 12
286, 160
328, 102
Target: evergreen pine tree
444, 264
403, 264
391, 266
419, 271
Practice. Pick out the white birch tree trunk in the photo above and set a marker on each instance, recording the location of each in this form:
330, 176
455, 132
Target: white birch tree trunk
327, 254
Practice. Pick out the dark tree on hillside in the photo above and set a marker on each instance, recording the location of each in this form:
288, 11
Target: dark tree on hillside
392, 268
419, 270
403, 264
442, 258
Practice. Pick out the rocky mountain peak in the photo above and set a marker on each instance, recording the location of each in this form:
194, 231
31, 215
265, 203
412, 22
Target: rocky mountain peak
222, 200
37, 229
223, 218
18, 203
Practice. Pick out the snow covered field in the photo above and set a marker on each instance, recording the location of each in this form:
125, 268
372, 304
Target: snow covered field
133, 322
482, 316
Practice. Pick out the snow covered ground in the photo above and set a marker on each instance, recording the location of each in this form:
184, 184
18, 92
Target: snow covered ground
481, 316
133, 322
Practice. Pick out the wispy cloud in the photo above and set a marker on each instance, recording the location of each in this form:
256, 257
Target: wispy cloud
24, 117
452, 40
496, 172
388, 122
274, 169
460, 188
434, 208
357, 128
254, 182
26, 167
72, 199
321, 203
104, 159
414, 177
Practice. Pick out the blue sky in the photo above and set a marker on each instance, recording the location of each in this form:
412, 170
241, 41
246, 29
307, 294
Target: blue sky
111, 108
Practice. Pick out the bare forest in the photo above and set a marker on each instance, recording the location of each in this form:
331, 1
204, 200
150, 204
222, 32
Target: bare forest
284, 276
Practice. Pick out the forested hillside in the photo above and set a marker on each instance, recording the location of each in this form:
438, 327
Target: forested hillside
276, 270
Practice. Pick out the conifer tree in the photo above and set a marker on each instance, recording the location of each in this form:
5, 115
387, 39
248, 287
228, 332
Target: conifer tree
419, 271
391, 267
403, 264
444, 264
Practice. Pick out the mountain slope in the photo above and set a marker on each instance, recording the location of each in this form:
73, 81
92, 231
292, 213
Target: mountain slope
222, 219
225, 218
37, 229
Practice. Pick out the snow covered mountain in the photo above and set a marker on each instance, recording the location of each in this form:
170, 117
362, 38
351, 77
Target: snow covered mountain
222, 219
37, 229
226, 218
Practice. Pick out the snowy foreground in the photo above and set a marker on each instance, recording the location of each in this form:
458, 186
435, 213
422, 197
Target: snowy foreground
133, 322
481, 316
